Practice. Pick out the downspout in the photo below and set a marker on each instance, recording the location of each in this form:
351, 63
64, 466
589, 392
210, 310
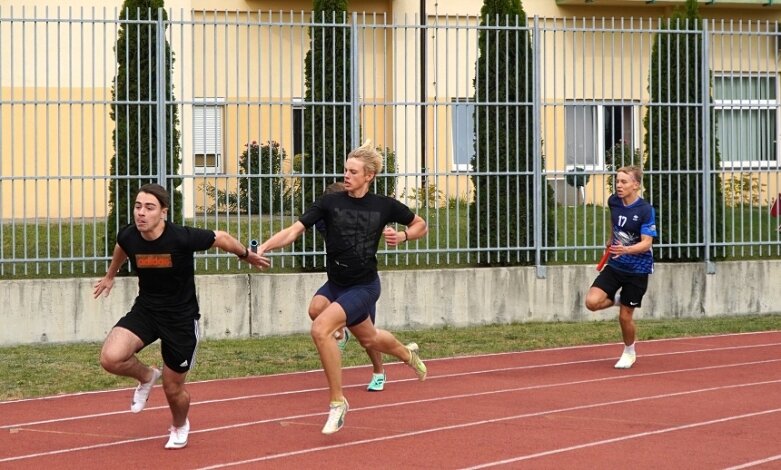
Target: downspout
423, 127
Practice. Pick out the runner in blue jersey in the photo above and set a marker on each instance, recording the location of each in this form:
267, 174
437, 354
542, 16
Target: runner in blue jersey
355, 222
631, 259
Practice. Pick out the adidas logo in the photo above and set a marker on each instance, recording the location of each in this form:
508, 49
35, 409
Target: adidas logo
184, 364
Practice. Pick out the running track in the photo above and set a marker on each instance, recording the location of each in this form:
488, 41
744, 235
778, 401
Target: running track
705, 402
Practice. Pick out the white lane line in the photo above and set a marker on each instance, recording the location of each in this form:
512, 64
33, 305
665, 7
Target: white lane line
441, 359
621, 438
755, 463
437, 399
431, 377
521, 416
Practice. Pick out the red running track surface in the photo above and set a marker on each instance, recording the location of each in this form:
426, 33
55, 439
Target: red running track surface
704, 402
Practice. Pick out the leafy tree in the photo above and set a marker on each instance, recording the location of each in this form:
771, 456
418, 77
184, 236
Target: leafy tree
327, 118
262, 189
135, 137
259, 192
674, 139
501, 214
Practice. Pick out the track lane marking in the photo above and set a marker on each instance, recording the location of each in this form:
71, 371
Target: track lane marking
429, 400
521, 416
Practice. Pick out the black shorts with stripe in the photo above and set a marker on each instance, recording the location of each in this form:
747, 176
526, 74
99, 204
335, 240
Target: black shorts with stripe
178, 339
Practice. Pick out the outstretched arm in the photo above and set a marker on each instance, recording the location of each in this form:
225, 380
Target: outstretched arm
282, 238
104, 285
227, 242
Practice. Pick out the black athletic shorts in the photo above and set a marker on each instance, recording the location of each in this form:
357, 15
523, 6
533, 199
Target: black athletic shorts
633, 286
178, 339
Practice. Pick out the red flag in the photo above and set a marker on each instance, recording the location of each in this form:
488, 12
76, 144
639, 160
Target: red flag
775, 210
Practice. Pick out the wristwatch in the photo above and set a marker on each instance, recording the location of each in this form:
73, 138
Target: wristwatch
246, 253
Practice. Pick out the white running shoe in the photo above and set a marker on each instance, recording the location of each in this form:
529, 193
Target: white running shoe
178, 438
626, 361
141, 395
415, 362
336, 414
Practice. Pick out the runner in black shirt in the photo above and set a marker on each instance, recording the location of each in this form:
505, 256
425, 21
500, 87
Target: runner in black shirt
355, 221
161, 253
320, 301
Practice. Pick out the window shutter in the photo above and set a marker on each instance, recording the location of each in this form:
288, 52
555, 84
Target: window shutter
207, 130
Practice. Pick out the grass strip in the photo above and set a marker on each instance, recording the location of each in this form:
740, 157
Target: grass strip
49, 369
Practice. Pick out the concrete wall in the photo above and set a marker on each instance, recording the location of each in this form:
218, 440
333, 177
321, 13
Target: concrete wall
239, 306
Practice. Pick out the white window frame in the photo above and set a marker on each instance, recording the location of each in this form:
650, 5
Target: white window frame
208, 131
751, 105
599, 124
469, 104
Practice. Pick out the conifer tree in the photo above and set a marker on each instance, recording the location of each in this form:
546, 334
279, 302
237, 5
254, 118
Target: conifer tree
674, 139
135, 162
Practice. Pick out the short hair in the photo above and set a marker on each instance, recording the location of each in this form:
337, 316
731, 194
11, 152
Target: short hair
158, 192
335, 187
634, 170
366, 153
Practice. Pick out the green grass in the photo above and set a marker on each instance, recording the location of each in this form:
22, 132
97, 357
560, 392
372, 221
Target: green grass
44, 370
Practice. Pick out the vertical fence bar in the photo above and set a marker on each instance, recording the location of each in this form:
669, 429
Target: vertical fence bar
162, 101
537, 150
707, 226
355, 105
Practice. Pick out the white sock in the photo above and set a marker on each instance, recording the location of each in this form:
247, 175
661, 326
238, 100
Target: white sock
629, 349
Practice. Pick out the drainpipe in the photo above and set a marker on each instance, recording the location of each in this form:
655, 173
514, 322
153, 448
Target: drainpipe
423, 18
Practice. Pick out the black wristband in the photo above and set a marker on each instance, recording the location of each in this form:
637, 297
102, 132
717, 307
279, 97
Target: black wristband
406, 237
246, 253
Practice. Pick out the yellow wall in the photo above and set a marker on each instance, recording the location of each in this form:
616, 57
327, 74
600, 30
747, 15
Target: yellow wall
63, 147
67, 141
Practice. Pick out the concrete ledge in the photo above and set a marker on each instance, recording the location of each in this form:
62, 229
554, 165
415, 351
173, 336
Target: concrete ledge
256, 305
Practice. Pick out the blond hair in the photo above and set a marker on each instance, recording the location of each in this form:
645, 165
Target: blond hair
366, 153
634, 170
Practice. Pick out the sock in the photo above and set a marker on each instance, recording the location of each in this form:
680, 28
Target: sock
629, 349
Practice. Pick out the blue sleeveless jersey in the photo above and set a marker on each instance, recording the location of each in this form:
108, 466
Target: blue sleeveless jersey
629, 223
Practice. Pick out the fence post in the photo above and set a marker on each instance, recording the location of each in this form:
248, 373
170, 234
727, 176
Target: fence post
539, 190
161, 99
710, 267
355, 105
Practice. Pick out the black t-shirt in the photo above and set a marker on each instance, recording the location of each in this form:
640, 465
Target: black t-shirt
354, 227
166, 268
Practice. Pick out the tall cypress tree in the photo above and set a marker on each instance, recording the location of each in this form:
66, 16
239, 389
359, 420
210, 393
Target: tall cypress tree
135, 116
674, 139
501, 213
327, 119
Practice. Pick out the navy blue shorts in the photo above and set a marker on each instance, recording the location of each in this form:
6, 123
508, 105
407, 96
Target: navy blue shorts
178, 341
359, 301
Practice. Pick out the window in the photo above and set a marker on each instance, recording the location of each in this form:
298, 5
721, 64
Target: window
298, 126
462, 129
207, 135
593, 129
746, 119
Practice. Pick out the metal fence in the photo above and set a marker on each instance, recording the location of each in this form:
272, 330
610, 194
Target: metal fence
241, 110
